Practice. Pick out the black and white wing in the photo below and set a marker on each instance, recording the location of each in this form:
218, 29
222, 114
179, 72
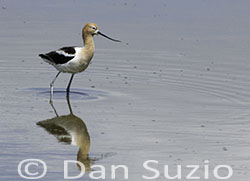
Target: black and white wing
61, 56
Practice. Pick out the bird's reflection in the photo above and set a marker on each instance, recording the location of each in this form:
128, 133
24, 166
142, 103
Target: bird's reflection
70, 129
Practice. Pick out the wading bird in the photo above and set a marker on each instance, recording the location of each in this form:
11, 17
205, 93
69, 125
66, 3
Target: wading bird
74, 59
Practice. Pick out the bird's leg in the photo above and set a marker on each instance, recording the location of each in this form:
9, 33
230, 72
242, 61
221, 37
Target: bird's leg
69, 105
51, 86
68, 88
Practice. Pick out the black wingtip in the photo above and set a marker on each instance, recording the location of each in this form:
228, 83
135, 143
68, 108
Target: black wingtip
41, 55
44, 56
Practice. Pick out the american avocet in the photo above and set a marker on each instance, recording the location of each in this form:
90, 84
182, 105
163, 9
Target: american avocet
74, 59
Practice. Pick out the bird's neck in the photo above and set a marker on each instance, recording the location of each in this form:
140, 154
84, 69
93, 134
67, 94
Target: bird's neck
88, 42
89, 46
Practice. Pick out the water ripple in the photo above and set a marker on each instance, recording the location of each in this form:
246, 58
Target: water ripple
75, 94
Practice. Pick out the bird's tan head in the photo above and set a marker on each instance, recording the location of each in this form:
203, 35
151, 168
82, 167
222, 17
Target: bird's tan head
90, 29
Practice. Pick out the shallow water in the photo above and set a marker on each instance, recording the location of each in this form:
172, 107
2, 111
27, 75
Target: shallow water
179, 97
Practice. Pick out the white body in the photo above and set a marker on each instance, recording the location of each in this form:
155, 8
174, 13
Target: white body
78, 64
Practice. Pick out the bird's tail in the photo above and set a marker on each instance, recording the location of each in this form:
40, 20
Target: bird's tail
47, 59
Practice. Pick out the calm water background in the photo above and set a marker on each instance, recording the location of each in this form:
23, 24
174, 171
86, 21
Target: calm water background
176, 90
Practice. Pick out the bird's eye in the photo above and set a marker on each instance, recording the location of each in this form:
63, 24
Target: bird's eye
93, 27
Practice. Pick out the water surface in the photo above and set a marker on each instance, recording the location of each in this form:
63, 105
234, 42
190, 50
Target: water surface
177, 90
